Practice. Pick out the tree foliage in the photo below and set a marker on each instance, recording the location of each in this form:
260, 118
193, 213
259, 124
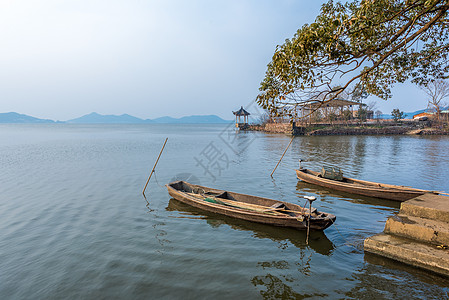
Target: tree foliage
364, 47
378, 114
397, 114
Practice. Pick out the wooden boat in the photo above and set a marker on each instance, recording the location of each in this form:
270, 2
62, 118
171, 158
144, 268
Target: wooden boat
318, 241
250, 208
361, 187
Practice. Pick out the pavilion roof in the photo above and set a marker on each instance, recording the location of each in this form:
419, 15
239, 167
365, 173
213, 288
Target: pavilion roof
241, 112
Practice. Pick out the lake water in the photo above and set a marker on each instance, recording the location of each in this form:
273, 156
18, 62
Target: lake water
74, 223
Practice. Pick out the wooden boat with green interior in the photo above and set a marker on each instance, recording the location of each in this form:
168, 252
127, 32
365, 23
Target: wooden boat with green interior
361, 187
250, 208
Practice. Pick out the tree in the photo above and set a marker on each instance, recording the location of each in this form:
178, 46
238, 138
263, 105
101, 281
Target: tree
332, 116
363, 46
436, 90
347, 115
397, 114
316, 116
372, 106
378, 114
264, 118
362, 114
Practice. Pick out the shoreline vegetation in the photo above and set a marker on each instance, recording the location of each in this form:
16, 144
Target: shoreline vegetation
369, 127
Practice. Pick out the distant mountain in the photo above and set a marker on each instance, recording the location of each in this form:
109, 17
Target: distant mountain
164, 120
13, 117
202, 119
94, 118
208, 119
411, 114
407, 115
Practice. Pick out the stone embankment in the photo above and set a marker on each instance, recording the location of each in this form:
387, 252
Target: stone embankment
287, 128
360, 130
418, 235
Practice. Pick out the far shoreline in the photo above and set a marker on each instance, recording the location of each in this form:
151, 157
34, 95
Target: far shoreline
371, 127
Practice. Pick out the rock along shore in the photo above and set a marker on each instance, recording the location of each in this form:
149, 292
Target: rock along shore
314, 130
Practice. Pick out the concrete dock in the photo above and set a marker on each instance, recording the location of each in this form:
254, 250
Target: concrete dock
418, 235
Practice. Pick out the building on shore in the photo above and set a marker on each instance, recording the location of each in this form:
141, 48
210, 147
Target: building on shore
333, 111
422, 116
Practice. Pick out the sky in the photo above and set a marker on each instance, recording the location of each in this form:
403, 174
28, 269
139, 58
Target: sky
60, 60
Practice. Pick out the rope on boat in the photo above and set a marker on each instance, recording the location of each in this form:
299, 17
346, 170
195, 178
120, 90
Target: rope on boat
155, 177
335, 225
341, 235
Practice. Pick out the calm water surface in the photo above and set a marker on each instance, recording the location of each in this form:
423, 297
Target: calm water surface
74, 224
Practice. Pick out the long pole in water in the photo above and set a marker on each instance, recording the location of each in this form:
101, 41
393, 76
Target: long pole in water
308, 223
310, 199
282, 156
154, 167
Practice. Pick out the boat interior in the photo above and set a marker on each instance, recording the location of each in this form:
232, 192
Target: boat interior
188, 188
241, 200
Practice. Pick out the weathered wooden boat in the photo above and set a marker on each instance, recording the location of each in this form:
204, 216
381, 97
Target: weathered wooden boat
318, 241
361, 187
250, 208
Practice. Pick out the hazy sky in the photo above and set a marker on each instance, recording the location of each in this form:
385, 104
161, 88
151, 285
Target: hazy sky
62, 59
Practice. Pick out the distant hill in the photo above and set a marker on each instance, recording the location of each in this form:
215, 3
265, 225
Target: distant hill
164, 120
13, 117
411, 114
94, 118
208, 119
202, 119
407, 115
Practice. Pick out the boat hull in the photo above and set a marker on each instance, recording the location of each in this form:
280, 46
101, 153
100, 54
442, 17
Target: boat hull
319, 221
360, 187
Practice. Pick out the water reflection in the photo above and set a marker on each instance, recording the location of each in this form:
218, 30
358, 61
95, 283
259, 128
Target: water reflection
317, 239
304, 188
394, 266
388, 279
358, 155
275, 288
346, 152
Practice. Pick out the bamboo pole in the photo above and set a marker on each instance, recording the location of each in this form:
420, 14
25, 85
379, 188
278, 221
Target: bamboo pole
154, 167
310, 199
282, 156
308, 222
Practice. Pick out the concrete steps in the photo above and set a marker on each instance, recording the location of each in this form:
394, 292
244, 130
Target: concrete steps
429, 206
410, 252
418, 235
420, 229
